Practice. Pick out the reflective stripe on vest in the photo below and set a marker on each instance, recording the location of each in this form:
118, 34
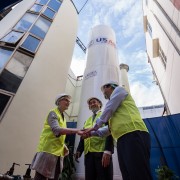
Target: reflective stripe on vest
48, 141
93, 144
126, 119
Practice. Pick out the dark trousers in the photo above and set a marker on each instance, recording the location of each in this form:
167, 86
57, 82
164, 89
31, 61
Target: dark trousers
133, 151
39, 176
94, 169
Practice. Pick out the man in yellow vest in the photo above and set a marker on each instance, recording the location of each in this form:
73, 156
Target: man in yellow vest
97, 150
128, 129
51, 149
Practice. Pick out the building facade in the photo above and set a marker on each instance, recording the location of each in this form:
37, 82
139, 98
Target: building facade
151, 111
162, 32
36, 47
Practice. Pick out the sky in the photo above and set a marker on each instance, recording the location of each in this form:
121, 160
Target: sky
126, 19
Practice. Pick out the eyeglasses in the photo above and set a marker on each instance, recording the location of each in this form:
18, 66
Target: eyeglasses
93, 101
67, 100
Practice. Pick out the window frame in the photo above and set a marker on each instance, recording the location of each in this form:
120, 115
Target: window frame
8, 48
35, 24
163, 57
26, 50
41, 4
9, 102
53, 6
149, 28
34, 12
48, 18
13, 57
4, 43
27, 12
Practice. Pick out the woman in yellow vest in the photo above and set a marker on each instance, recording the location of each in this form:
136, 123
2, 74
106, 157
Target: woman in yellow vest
48, 160
97, 150
128, 129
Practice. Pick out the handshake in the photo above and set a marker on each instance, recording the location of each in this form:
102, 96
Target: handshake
85, 133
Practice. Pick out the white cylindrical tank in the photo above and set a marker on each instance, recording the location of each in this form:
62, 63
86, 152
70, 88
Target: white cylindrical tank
124, 68
102, 66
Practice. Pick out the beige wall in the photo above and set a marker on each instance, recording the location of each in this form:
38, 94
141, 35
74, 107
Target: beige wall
47, 76
168, 77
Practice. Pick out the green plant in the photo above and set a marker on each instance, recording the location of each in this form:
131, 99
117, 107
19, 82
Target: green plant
164, 173
69, 166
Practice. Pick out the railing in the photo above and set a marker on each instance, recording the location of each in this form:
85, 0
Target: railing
9, 174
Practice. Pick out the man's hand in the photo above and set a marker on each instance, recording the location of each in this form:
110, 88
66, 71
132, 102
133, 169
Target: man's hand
85, 133
88, 131
80, 132
77, 156
66, 150
106, 159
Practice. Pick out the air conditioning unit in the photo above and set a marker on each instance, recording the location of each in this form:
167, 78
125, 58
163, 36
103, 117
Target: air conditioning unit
145, 23
155, 48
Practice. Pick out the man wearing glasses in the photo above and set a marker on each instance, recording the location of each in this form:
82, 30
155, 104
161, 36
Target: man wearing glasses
48, 161
128, 129
97, 150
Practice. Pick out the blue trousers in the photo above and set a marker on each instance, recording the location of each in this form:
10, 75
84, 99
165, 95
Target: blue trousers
133, 151
94, 169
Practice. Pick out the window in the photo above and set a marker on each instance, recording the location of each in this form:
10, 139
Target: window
5, 99
41, 27
149, 28
9, 81
23, 42
31, 44
54, 4
13, 37
25, 23
36, 8
49, 13
42, 1
19, 64
5, 55
162, 56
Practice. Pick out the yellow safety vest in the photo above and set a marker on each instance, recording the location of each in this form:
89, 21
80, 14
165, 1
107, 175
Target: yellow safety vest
126, 119
93, 144
48, 141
